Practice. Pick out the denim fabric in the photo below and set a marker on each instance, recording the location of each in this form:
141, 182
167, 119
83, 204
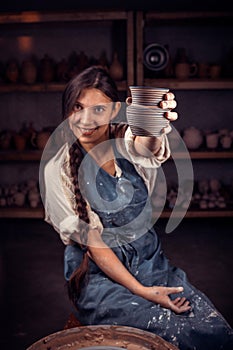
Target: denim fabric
103, 301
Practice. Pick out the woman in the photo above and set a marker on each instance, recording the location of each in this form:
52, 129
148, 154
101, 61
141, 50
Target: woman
97, 196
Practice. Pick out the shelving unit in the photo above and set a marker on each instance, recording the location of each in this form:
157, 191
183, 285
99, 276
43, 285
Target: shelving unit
133, 30
21, 213
47, 18
152, 22
27, 24
38, 213
191, 84
151, 18
51, 87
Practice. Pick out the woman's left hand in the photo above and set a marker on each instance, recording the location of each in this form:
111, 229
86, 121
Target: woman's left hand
169, 102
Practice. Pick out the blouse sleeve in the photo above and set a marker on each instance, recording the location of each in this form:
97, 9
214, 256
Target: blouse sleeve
59, 201
148, 162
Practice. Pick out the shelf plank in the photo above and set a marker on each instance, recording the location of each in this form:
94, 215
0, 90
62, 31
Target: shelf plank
45, 87
11, 156
8, 156
191, 84
205, 155
22, 213
186, 15
194, 214
39, 87
66, 16
38, 213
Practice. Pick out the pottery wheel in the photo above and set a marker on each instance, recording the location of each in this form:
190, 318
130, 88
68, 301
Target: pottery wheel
102, 338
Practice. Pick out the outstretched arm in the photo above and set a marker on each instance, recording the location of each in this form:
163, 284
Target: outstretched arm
109, 263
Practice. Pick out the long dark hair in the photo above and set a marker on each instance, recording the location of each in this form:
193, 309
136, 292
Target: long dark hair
92, 77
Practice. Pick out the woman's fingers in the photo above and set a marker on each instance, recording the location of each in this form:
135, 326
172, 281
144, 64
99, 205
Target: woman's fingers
181, 305
169, 96
180, 301
171, 116
174, 290
170, 104
168, 101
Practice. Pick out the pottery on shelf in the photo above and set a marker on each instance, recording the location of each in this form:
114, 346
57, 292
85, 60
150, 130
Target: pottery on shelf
193, 137
12, 71
47, 69
183, 68
28, 72
212, 140
19, 142
40, 139
62, 70
116, 68
226, 141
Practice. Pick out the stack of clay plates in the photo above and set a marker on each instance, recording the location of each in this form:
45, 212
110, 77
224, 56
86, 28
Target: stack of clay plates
146, 121
147, 96
144, 115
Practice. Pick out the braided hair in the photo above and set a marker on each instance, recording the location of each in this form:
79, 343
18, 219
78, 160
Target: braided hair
92, 77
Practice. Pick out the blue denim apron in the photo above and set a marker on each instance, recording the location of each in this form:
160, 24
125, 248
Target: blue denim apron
118, 201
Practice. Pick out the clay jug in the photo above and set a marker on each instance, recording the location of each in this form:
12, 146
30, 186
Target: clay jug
183, 68
73, 65
5, 139
47, 69
103, 61
20, 142
168, 70
40, 139
12, 71
82, 61
28, 72
116, 68
62, 71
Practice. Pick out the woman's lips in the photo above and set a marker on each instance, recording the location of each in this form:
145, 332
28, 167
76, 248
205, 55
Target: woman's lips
87, 131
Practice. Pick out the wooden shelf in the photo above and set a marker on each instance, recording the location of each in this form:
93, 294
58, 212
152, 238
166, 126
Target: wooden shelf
145, 19
15, 156
192, 214
187, 15
191, 84
21, 213
43, 87
38, 213
78, 18
205, 155
66, 16
9, 156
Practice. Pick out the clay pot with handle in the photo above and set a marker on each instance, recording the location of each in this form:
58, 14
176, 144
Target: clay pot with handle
185, 70
39, 139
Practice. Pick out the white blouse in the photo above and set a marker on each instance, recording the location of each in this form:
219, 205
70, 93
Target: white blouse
59, 201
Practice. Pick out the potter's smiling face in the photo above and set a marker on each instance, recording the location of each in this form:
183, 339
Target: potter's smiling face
91, 115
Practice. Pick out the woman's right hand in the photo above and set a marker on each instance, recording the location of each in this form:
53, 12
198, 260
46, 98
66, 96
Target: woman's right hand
110, 264
160, 295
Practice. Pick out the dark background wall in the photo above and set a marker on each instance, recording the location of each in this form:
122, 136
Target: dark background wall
159, 5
